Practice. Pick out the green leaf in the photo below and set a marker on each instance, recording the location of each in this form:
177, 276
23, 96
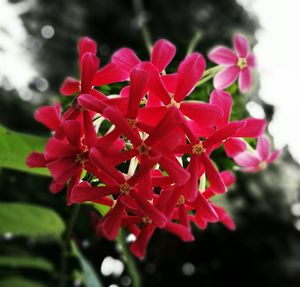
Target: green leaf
19, 282
15, 147
90, 277
102, 209
26, 262
29, 220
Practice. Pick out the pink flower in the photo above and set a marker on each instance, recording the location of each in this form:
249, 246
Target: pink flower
238, 64
259, 159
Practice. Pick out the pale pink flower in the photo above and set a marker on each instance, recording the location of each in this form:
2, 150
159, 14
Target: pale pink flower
259, 159
237, 64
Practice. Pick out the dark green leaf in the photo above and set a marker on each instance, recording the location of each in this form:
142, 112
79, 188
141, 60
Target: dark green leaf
29, 220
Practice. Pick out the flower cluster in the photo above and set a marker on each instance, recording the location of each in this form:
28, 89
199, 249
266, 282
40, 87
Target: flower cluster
146, 152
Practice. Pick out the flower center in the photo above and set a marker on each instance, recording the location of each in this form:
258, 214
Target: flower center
147, 220
132, 122
82, 157
143, 149
198, 149
173, 102
263, 165
125, 188
242, 63
181, 200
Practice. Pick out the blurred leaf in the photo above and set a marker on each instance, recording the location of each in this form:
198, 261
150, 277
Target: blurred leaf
89, 275
29, 220
26, 262
102, 209
15, 147
19, 282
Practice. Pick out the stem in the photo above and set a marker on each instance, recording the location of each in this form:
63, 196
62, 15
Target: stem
194, 42
65, 242
128, 260
209, 74
140, 14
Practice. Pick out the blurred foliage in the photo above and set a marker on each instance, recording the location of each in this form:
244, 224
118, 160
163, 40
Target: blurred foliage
265, 249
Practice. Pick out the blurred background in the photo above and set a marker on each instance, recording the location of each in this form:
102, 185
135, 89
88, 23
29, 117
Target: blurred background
38, 50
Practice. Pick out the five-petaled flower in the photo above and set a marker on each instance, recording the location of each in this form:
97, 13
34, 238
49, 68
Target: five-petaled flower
237, 64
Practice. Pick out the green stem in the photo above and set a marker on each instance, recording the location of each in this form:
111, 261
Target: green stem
128, 260
194, 42
65, 243
209, 74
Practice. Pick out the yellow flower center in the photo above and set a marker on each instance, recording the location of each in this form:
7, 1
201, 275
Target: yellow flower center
173, 102
242, 63
147, 220
181, 200
198, 149
125, 188
263, 165
132, 122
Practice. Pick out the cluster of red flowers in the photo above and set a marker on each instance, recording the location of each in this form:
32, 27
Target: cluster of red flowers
151, 163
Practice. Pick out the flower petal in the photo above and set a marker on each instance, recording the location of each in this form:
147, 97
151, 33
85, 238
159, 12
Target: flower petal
49, 116
111, 223
36, 159
263, 147
241, 45
251, 61
157, 217
213, 175
92, 103
253, 128
119, 121
190, 72
137, 90
90, 134
155, 83
181, 231
245, 80
171, 165
82, 193
245, 159
162, 54
206, 115
72, 130
111, 73
234, 146
170, 82
226, 77
204, 209
138, 248
126, 59
89, 66
223, 100
224, 133
86, 45
171, 119
56, 149
274, 156
101, 162
222, 55
69, 87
